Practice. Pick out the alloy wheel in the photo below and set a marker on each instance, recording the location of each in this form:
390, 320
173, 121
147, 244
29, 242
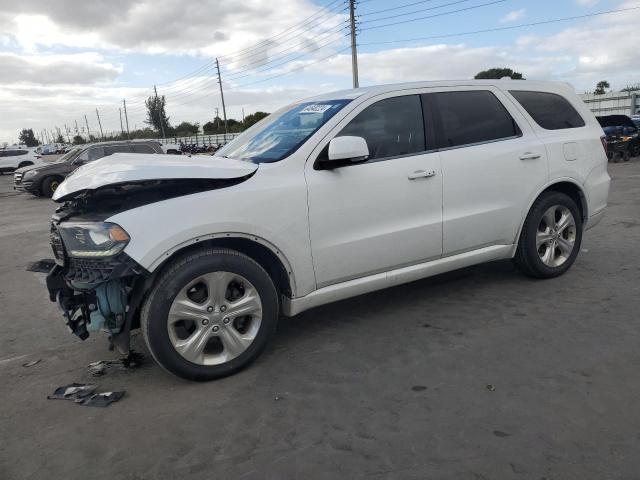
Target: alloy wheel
556, 236
214, 318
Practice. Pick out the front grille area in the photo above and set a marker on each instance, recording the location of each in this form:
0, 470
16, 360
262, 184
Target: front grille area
89, 271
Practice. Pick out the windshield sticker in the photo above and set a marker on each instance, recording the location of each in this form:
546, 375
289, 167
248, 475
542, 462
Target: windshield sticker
316, 108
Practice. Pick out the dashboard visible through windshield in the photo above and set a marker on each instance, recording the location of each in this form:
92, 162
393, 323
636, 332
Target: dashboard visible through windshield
284, 133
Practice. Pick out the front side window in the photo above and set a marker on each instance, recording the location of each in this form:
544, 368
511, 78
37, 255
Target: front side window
549, 110
391, 127
282, 133
92, 154
468, 117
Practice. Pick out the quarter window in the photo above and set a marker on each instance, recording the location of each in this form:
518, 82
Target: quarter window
549, 110
469, 117
391, 127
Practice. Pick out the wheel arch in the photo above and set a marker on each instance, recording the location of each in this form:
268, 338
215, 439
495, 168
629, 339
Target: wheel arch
569, 187
25, 163
267, 255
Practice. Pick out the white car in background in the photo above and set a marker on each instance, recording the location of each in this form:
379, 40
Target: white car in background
12, 158
329, 198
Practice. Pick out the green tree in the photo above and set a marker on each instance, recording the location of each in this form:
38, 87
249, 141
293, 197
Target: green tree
77, 140
254, 118
185, 129
156, 114
631, 88
601, 87
28, 138
59, 139
498, 73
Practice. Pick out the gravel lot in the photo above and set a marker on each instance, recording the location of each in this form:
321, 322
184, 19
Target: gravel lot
388, 385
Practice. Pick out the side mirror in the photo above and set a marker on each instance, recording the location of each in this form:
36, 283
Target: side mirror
352, 149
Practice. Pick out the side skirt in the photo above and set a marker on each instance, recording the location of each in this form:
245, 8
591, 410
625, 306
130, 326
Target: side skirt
359, 286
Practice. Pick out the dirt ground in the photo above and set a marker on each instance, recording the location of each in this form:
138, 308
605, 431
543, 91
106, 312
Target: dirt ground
391, 385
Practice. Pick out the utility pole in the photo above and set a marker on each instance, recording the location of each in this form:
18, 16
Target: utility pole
354, 49
88, 132
100, 124
77, 131
224, 110
124, 102
159, 113
121, 127
217, 119
242, 117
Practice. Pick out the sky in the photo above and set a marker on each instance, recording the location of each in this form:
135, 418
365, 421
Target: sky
60, 61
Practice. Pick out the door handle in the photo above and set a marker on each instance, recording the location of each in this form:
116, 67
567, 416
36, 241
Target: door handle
422, 174
530, 156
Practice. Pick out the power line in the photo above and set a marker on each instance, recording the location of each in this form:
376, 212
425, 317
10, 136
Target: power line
435, 7
497, 29
434, 16
397, 7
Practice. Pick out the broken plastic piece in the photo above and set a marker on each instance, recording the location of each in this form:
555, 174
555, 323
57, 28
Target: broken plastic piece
131, 361
41, 266
73, 391
100, 399
32, 362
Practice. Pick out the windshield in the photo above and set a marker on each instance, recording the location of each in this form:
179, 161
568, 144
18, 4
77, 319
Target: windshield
69, 156
282, 133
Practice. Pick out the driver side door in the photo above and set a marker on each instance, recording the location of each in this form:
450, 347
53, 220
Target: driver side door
384, 213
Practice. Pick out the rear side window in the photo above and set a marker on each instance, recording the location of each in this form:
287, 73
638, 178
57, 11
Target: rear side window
392, 127
95, 153
549, 110
116, 149
464, 118
143, 149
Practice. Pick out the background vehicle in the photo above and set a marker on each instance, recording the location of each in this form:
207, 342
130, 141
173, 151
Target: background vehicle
43, 179
621, 136
12, 158
325, 199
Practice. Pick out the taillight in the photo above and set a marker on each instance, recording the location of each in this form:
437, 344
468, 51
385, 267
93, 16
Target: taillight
603, 139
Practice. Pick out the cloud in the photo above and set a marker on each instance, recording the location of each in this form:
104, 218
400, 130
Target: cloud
81, 68
205, 28
586, 3
513, 16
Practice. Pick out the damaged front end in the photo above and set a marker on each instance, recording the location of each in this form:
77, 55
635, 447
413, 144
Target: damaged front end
97, 286
93, 281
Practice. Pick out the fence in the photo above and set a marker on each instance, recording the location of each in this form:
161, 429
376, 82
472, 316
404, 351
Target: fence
205, 140
613, 103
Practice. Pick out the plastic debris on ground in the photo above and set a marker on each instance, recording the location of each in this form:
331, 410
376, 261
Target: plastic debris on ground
32, 363
132, 361
84, 394
73, 391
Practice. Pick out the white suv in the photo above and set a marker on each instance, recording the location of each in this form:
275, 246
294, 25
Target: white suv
325, 199
12, 158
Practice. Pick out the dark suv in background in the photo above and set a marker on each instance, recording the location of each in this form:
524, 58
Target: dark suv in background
42, 180
621, 135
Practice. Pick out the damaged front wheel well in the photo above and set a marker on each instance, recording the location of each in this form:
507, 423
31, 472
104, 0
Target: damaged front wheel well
254, 250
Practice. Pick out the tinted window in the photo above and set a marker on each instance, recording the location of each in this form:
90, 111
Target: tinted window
143, 149
391, 127
95, 153
463, 118
21, 152
550, 111
116, 149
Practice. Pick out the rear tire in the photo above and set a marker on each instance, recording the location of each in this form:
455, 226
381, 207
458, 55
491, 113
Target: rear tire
49, 186
192, 320
551, 236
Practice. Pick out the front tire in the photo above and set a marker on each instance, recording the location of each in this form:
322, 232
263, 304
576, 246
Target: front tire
49, 186
551, 236
210, 314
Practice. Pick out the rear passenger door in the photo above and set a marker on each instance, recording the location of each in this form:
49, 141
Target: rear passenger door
492, 165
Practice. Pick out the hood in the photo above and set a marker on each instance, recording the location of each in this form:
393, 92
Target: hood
127, 168
615, 121
37, 166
